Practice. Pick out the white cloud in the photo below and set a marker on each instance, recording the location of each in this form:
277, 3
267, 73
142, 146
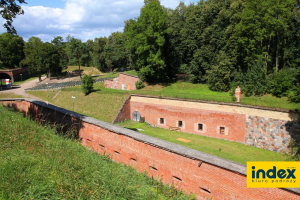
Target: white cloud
84, 19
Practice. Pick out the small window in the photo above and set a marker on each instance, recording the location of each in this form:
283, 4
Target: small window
162, 120
222, 130
200, 127
179, 123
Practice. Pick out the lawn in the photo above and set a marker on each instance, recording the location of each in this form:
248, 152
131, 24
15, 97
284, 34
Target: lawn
9, 95
86, 70
222, 148
102, 103
37, 163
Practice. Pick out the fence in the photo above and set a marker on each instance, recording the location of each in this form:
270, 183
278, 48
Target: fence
63, 84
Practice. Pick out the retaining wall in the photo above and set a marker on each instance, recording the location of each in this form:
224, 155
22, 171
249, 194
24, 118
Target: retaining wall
265, 128
209, 177
124, 79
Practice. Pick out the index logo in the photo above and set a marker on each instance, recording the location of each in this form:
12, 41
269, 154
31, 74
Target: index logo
273, 174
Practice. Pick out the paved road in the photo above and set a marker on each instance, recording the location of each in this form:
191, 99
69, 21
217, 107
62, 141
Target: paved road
21, 89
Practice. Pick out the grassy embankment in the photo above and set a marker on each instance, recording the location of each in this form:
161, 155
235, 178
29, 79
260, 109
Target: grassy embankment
10, 95
37, 163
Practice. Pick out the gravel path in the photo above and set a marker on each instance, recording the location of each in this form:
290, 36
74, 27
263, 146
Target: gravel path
21, 89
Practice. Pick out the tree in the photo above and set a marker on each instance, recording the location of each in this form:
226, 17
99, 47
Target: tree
48, 57
63, 58
87, 84
147, 38
76, 51
11, 50
267, 30
32, 59
9, 10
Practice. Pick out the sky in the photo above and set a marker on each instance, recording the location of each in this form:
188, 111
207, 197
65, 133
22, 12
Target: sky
83, 19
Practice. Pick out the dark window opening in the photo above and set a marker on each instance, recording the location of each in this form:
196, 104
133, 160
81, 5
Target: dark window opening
179, 123
200, 127
177, 178
222, 130
151, 167
117, 152
162, 120
205, 190
133, 159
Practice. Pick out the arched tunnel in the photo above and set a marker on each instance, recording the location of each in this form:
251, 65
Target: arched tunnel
3, 76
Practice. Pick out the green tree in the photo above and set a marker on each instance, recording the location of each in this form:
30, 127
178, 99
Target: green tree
115, 51
63, 58
48, 58
87, 84
11, 50
9, 9
32, 58
98, 54
147, 38
267, 30
76, 51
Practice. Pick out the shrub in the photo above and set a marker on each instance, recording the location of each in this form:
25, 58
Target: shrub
280, 83
139, 85
87, 84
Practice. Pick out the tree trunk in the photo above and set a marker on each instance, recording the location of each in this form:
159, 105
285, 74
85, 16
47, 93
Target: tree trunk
40, 78
277, 59
79, 68
267, 56
49, 74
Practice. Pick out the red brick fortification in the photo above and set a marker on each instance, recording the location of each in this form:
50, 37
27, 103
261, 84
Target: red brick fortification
209, 177
211, 121
124, 81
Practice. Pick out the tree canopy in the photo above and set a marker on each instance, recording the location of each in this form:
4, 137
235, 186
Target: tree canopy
9, 9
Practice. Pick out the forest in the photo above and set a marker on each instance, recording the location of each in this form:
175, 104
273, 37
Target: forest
223, 43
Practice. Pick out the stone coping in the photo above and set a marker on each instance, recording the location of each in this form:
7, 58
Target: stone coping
167, 146
221, 103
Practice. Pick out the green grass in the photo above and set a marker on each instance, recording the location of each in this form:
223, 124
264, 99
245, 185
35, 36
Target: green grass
101, 104
202, 92
37, 163
29, 78
86, 70
132, 72
222, 148
10, 95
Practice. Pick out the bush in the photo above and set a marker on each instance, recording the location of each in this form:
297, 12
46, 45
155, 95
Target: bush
139, 85
87, 84
280, 83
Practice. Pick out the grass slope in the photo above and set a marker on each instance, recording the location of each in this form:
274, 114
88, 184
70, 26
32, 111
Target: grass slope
9, 95
222, 148
36, 163
102, 104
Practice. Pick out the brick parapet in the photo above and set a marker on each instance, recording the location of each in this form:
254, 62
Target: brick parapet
193, 171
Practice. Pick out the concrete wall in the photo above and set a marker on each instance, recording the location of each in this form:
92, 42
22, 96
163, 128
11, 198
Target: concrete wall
261, 127
209, 177
126, 79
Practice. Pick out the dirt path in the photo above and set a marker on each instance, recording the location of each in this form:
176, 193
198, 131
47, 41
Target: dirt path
20, 90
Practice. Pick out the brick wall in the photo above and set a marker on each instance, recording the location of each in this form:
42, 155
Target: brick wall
211, 121
124, 79
209, 177
260, 127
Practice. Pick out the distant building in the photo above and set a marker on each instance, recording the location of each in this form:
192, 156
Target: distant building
14, 74
123, 82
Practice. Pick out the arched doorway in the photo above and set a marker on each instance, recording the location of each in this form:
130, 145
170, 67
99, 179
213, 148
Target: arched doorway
136, 116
